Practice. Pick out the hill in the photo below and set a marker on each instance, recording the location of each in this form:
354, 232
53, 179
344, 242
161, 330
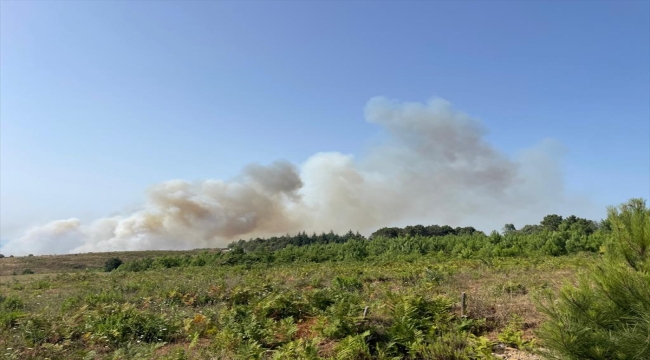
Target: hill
53, 264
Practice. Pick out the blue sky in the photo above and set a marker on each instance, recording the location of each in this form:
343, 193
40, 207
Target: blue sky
100, 100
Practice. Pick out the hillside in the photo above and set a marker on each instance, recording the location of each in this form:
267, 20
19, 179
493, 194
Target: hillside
52, 264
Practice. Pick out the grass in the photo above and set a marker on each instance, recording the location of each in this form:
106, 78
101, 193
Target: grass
53, 264
283, 311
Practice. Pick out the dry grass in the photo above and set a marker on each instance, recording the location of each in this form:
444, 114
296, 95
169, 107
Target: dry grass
52, 264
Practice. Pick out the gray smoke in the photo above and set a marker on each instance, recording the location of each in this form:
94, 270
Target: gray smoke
435, 168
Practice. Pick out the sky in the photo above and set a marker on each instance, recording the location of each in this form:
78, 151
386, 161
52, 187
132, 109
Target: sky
101, 100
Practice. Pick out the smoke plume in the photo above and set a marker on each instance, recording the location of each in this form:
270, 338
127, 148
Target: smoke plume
435, 168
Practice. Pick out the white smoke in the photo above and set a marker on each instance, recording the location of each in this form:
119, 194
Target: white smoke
436, 168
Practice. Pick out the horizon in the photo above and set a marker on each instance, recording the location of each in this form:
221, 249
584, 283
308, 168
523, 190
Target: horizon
117, 119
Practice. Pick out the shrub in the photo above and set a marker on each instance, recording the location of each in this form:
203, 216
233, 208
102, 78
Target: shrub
513, 336
137, 265
112, 264
282, 306
347, 283
9, 319
607, 316
28, 271
320, 299
11, 303
354, 347
41, 284
414, 316
37, 329
1, 256
298, 349
511, 288
119, 325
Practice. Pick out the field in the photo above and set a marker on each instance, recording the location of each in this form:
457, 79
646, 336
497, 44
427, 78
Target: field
54, 264
401, 307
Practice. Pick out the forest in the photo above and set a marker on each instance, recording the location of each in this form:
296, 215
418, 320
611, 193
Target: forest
554, 236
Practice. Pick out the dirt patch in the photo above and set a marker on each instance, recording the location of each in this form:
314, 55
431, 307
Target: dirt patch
326, 348
515, 354
175, 348
306, 329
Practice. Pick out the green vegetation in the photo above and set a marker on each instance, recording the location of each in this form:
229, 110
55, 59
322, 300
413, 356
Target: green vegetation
54, 264
393, 296
608, 315
112, 264
573, 235
285, 311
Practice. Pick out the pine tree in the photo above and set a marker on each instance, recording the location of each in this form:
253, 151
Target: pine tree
607, 316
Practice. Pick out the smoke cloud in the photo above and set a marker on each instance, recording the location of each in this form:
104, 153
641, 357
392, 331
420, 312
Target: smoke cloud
435, 168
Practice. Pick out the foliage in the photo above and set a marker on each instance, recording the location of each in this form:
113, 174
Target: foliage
512, 335
552, 222
419, 230
607, 316
112, 264
392, 309
117, 325
322, 296
10, 311
301, 239
572, 240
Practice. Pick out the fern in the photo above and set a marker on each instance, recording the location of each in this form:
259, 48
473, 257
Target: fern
354, 347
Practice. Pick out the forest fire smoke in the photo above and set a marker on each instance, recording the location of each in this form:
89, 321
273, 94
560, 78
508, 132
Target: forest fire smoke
435, 168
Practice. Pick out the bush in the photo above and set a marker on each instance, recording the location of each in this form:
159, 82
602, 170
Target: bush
1, 256
120, 324
9, 319
607, 316
11, 303
28, 271
513, 336
112, 264
37, 329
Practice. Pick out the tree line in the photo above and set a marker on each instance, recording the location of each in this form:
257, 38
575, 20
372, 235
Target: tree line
554, 236
571, 229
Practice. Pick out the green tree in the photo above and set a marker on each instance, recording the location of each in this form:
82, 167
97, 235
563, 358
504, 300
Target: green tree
390, 233
631, 228
509, 229
112, 264
607, 316
531, 229
551, 222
